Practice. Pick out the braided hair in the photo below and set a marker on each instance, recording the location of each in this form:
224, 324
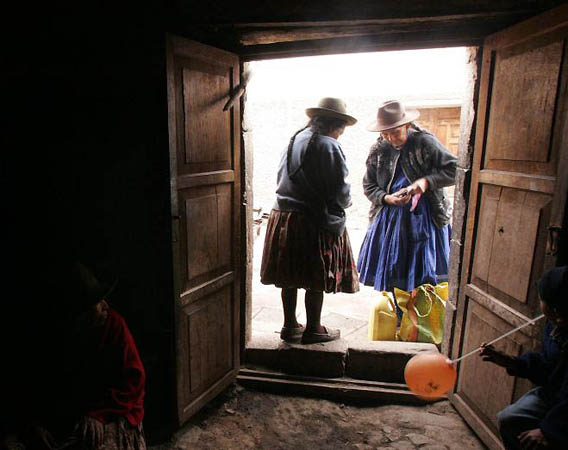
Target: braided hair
289, 152
319, 125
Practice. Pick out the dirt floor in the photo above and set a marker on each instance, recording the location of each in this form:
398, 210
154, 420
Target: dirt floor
245, 419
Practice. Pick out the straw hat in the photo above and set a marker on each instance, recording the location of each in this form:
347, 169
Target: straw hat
331, 107
392, 114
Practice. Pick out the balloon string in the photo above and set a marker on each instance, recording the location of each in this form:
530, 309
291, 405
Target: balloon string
530, 322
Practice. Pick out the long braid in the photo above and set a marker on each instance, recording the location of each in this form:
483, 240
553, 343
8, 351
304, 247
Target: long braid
289, 153
319, 125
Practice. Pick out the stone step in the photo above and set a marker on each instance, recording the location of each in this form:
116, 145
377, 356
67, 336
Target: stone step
356, 358
382, 360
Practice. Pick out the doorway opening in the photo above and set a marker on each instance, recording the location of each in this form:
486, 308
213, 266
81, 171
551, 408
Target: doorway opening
432, 81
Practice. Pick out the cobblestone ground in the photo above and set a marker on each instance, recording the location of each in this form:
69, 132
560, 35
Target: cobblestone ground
246, 419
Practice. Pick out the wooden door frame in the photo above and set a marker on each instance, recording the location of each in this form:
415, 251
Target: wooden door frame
247, 238
465, 154
345, 389
461, 196
468, 126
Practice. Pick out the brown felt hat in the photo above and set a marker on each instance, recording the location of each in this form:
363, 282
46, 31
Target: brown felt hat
331, 107
392, 114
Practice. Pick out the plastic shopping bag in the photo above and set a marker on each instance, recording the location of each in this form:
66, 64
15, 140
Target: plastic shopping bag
423, 312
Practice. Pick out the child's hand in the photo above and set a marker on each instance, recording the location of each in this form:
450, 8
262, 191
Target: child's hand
532, 439
489, 353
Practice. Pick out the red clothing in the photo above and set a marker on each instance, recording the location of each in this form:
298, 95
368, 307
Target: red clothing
112, 380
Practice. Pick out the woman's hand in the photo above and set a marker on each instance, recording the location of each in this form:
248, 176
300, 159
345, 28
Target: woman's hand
489, 353
532, 439
399, 198
91, 431
418, 187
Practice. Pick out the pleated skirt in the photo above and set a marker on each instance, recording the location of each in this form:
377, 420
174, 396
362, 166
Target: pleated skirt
298, 255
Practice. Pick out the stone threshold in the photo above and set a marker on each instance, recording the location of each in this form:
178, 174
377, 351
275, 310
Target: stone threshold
360, 359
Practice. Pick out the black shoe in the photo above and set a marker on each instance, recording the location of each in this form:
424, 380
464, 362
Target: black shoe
331, 334
292, 334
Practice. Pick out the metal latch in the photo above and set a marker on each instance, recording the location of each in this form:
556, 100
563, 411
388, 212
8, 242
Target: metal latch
553, 238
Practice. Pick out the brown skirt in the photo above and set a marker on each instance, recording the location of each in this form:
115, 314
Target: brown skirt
298, 255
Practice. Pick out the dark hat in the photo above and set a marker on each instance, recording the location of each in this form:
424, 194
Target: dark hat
553, 288
92, 288
81, 288
392, 114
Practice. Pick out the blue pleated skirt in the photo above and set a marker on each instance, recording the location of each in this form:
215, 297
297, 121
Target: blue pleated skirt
404, 249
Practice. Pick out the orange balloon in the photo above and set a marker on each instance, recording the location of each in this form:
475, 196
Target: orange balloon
429, 375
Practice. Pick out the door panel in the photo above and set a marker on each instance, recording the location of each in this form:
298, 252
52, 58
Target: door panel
207, 211
509, 222
207, 133
205, 185
532, 70
518, 190
208, 340
487, 386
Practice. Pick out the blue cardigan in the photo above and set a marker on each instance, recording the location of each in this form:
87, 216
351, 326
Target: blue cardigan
549, 369
319, 189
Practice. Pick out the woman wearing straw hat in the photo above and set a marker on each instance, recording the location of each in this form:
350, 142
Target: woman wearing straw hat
306, 244
407, 242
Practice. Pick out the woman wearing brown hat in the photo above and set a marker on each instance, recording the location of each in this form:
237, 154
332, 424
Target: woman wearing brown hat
306, 244
407, 243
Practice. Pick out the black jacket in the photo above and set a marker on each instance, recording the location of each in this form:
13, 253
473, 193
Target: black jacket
549, 369
421, 156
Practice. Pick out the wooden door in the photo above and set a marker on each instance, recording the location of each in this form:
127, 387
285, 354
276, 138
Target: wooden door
518, 191
205, 187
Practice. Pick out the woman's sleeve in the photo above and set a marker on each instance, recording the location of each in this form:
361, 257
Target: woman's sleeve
126, 396
370, 186
336, 188
443, 164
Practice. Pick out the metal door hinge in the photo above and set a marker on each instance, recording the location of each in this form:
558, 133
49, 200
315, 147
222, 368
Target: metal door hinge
553, 238
175, 228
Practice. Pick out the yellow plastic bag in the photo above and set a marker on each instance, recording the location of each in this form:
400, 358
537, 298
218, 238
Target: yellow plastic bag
423, 312
382, 319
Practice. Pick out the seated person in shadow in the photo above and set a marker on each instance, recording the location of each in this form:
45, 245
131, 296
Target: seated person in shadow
539, 419
87, 382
